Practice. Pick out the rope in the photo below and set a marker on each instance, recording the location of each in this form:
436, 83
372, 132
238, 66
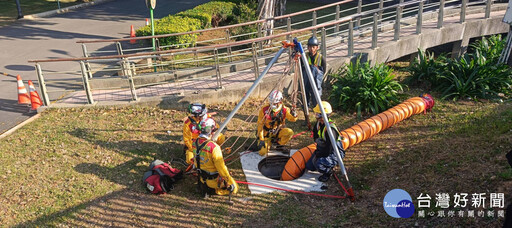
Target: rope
298, 134
294, 191
251, 117
339, 182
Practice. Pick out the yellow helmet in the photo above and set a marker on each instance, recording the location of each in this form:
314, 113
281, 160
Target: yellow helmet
327, 108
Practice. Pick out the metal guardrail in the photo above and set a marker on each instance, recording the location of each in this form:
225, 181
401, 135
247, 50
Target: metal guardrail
377, 18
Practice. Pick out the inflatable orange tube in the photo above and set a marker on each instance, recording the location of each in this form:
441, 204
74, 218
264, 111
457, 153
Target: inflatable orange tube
296, 165
294, 168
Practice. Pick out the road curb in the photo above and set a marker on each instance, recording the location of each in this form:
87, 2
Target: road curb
63, 10
12, 130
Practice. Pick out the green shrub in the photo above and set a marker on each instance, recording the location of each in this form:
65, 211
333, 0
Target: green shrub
426, 69
213, 13
173, 24
221, 12
488, 49
474, 78
362, 88
475, 75
244, 13
204, 17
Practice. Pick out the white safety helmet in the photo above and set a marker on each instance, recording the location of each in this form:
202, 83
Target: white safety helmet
275, 98
197, 109
207, 127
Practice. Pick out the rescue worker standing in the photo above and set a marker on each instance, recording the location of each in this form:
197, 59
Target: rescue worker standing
317, 64
271, 122
191, 129
324, 158
213, 175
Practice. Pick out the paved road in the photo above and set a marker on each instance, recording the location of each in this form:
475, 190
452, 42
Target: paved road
55, 37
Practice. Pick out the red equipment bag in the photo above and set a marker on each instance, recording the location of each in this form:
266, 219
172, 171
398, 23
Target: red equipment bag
161, 177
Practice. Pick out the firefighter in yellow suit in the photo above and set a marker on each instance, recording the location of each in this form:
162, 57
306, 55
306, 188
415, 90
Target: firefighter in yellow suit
271, 120
191, 129
213, 175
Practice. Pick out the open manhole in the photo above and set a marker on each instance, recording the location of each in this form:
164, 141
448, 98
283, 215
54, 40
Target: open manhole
273, 166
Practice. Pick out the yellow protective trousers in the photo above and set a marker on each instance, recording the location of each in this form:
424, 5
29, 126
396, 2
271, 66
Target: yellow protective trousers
283, 136
219, 185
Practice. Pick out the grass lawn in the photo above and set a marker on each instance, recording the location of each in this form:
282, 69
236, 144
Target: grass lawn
83, 167
9, 12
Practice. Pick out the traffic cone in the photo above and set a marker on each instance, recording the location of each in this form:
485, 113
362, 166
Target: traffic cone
34, 96
23, 97
147, 22
132, 34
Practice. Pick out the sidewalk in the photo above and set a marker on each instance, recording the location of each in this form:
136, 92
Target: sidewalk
55, 37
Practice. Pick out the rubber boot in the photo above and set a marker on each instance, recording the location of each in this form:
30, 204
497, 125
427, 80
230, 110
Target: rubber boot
326, 176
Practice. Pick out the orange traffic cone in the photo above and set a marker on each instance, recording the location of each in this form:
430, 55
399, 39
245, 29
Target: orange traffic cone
147, 22
23, 97
34, 96
132, 34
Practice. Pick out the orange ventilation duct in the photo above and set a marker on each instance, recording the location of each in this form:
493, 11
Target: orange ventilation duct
295, 166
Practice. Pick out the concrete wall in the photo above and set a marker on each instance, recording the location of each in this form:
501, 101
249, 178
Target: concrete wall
435, 37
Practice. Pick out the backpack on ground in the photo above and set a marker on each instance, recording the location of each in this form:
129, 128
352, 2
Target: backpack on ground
161, 177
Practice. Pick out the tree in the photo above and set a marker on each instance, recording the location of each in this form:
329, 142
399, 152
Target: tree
270, 9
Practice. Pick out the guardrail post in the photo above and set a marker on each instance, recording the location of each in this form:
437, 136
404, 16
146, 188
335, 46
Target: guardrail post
488, 8
350, 38
42, 85
119, 48
324, 44
289, 28
314, 23
463, 11
260, 34
397, 22
419, 21
157, 48
157, 45
440, 15
173, 62
87, 64
381, 6
359, 10
217, 68
375, 31
337, 18
129, 72
289, 37
255, 61
87, 87
228, 39
195, 55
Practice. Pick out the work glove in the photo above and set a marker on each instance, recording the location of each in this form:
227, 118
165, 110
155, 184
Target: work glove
231, 188
293, 112
261, 144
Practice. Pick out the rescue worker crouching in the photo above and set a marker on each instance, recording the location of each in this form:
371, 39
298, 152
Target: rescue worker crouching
324, 158
191, 129
271, 122
317, 64
213, 175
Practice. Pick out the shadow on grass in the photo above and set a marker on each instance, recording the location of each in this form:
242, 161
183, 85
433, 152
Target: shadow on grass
432, 153
429, 156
